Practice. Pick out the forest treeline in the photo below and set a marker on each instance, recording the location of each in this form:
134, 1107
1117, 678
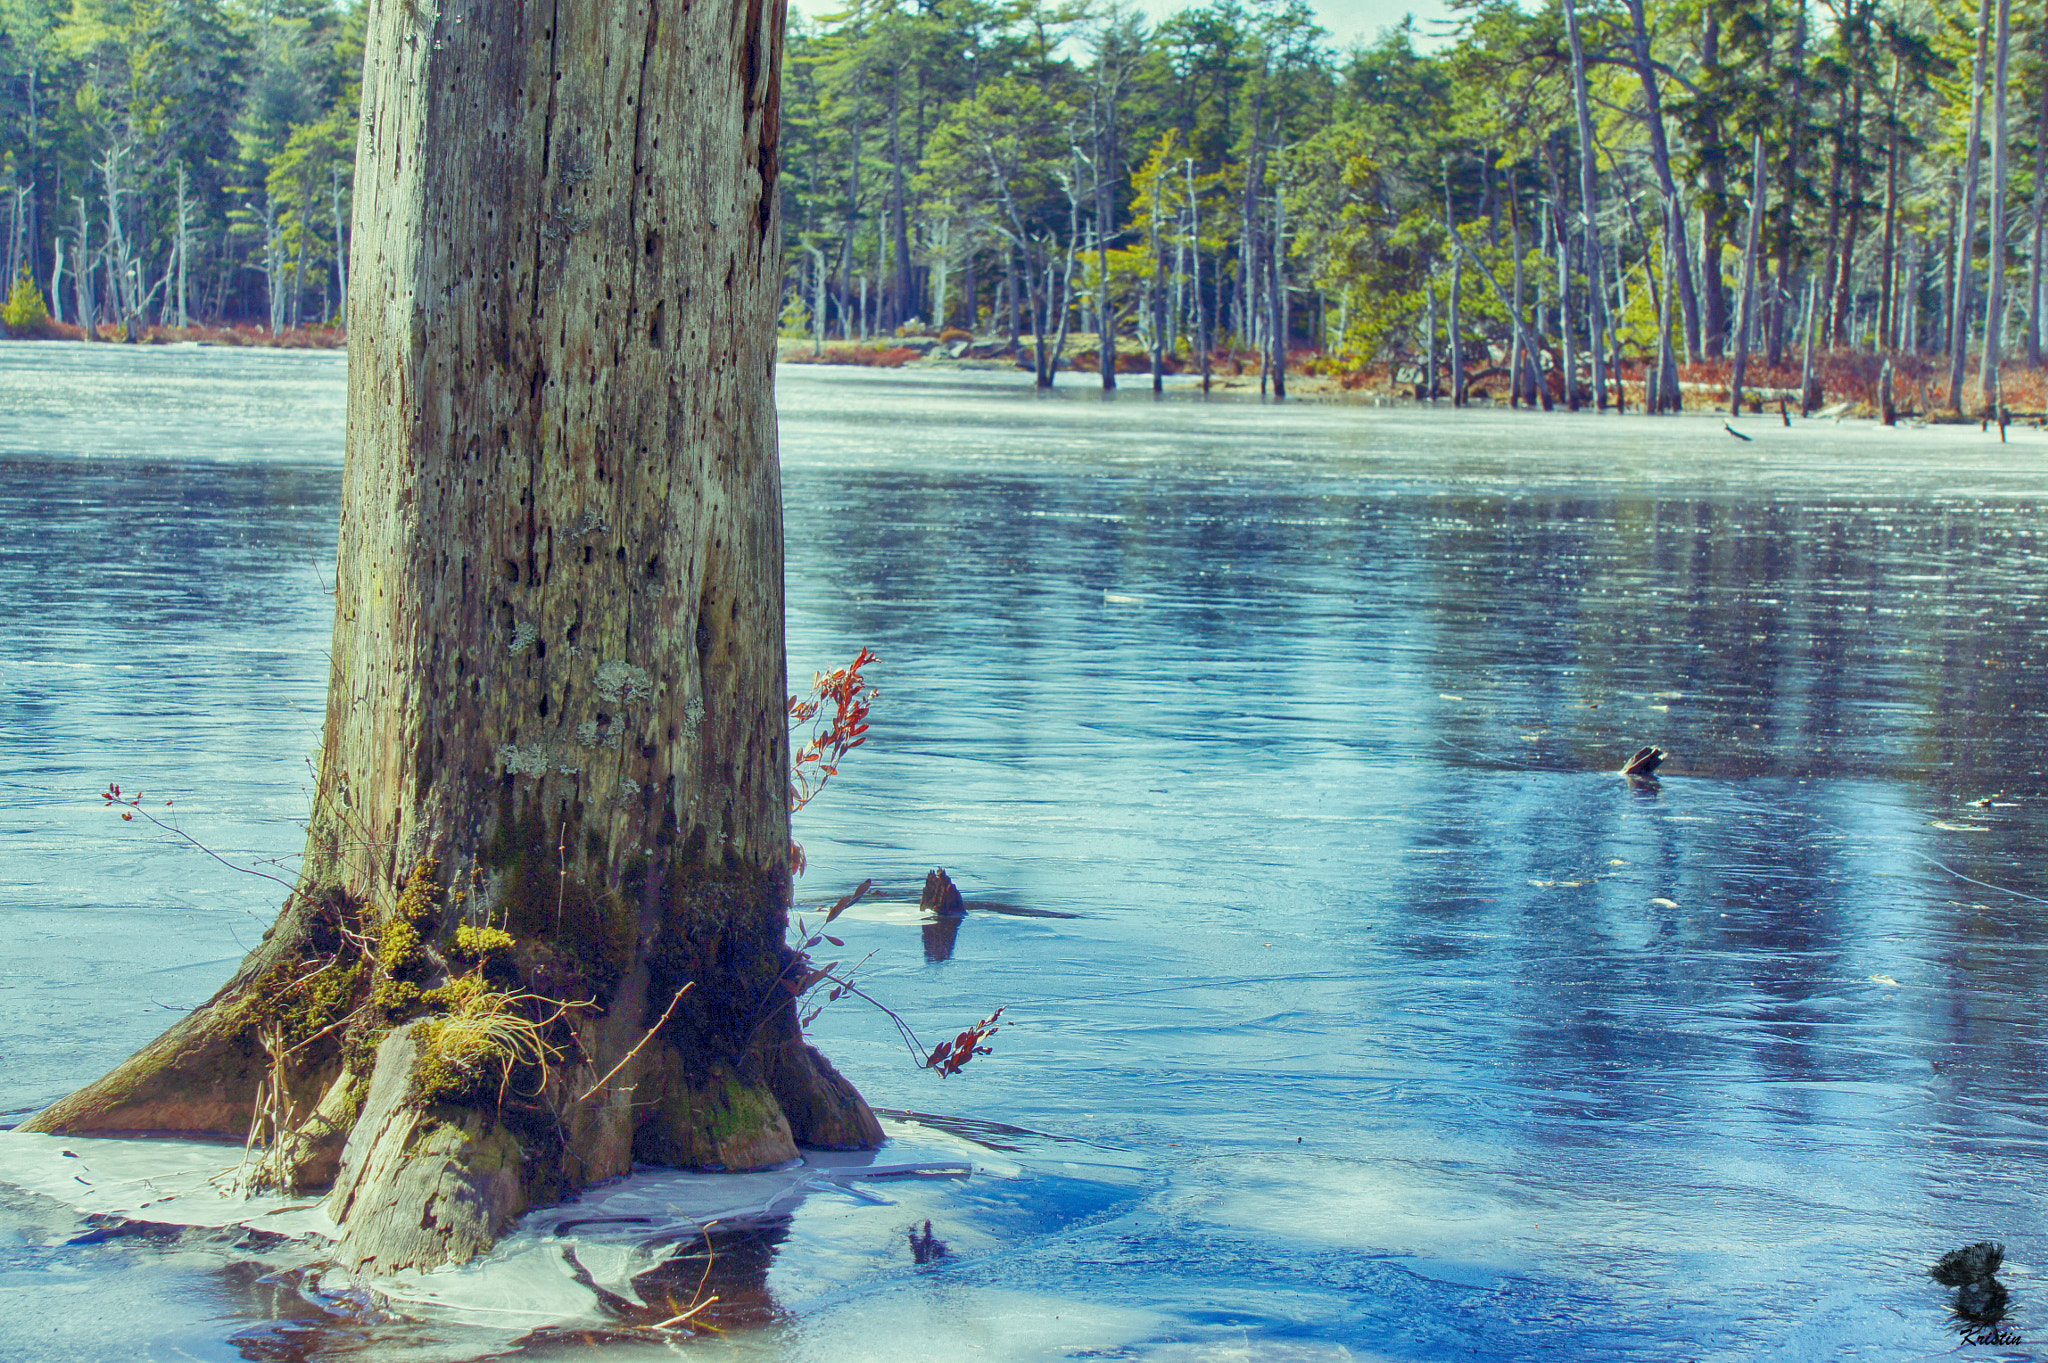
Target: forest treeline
1560, 194
166, 161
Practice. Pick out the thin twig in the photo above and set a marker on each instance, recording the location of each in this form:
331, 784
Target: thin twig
678, 1320
641, 1042
698, 1301
174, 829
909, 1037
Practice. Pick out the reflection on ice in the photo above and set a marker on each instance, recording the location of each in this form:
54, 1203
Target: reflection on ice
609, 1255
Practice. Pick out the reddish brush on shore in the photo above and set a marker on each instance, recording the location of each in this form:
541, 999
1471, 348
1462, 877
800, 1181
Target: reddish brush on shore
867, 357
291, 338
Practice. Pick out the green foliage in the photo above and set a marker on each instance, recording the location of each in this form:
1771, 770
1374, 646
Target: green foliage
982, 155
24, 313
481, 945
209, 112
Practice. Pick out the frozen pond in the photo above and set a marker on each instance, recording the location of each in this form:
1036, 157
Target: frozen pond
1364, 1012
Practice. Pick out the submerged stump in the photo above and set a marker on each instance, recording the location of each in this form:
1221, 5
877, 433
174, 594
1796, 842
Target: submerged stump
539, 932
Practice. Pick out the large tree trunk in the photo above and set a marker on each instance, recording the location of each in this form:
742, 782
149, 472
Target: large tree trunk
557, 702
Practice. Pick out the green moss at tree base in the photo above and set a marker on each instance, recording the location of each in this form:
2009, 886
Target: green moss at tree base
719, 1122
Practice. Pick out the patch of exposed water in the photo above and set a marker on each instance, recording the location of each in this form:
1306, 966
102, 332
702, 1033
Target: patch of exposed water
1272, 749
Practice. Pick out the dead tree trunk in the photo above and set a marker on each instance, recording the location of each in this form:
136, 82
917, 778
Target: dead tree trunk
557, 698
1202, 313
2035, 235
1966, 234
1994, 293
1680, 268
1158, 308
1713, 232
1455, 319
1589, 204
1888, 309
1746, 305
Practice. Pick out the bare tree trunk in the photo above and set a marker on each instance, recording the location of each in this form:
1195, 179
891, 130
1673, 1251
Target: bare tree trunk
1667, 364
1966, 233
1680, 266
1455, 358
1560, 241
57, 278
1589, 204
902, 291
1714, 307
1790, 170
1832, 258
2036, 235
1810, 323
81, 275
1158, 287
1016, 324
1277, 251
1747, 302
1105, 225
1195, 261
1888, 268
340, 245
817, 300
1994, 296
1493, 286
557, 692
184, 242
1518, 355
1429, 345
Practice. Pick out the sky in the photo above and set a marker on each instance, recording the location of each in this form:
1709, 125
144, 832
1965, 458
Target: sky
1347, 20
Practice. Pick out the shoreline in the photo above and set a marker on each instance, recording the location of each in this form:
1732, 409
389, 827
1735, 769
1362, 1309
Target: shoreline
232, 335
1703, 399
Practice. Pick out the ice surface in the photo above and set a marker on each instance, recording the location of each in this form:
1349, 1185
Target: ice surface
161, 1181
1425, 1035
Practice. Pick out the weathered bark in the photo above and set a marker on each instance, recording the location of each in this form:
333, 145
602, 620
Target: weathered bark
556, 702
